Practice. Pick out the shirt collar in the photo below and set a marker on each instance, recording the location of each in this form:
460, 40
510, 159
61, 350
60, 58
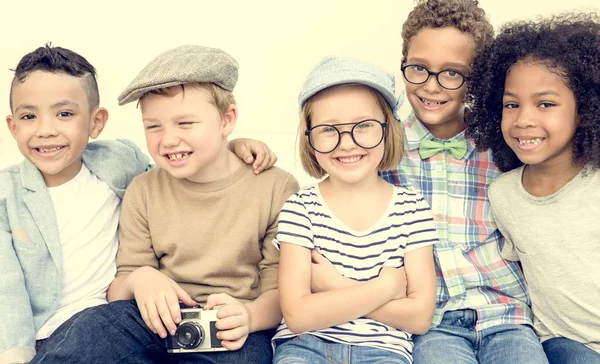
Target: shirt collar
415, 132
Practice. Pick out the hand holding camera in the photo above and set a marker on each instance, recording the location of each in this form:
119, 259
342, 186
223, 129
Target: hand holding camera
157, 297
233, 320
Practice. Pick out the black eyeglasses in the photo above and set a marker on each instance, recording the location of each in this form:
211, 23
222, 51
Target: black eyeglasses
367, 134
449, 79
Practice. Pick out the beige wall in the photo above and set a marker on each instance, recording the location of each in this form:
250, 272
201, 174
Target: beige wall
276, 43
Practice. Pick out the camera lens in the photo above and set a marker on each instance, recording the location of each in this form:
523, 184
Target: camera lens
189, 335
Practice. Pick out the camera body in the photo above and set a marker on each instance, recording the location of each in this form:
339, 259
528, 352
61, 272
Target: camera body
195, 333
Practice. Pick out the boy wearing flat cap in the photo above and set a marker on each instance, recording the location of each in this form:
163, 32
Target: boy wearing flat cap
196, 230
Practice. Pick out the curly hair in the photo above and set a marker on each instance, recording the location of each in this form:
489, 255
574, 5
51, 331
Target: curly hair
464, 15
569, 46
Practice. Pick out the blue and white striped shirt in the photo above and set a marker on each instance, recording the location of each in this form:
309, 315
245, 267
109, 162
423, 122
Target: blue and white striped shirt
407, 225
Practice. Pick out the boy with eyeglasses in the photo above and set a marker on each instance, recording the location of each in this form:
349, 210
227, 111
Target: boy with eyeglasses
482, 313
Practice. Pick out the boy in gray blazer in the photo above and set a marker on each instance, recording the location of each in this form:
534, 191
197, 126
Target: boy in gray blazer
59, 208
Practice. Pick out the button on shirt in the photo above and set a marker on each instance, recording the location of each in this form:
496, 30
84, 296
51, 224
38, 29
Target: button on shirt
471, 273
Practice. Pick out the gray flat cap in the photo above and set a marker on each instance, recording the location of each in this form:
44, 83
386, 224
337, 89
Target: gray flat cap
184, 64
333, 71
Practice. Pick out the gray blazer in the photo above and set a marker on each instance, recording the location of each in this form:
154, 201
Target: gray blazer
30, 250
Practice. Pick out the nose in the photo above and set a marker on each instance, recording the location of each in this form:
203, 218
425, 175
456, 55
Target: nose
525, 118
170, 138
432, 85
346, 141
46, 127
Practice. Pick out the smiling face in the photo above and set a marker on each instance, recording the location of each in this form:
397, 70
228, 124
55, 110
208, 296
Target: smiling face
539, 117
438, 49
52, 123
186, 134
348, 163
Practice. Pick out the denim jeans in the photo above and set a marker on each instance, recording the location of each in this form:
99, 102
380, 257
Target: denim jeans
116, 333
561, 350
456, 341
309, 349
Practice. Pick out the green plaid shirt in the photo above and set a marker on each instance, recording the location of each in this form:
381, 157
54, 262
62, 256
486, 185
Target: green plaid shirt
471, 274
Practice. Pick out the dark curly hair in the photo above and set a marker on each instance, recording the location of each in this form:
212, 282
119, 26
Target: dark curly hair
568, 45
464, 15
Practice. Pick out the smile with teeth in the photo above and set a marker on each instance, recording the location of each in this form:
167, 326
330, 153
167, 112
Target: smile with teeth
178, 156
534, 141
352, 159
49, 150
431, 102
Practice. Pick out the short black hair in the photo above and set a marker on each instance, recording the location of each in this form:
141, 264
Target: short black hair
58, 60
569, 45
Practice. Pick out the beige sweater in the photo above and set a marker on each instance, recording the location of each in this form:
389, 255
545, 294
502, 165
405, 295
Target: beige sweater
209, 237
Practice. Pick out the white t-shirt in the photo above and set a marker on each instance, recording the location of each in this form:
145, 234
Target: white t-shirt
87, 212
407, 225
557, 240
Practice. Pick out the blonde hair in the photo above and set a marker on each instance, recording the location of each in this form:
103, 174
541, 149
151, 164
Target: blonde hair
219, 97
393, 138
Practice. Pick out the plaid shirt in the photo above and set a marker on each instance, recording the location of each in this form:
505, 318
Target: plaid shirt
471, 274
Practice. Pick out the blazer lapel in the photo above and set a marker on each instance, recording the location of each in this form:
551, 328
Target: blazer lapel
40, 206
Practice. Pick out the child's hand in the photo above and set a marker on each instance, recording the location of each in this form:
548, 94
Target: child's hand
395, 278
233, 320
324, 276
253, 152
157, 297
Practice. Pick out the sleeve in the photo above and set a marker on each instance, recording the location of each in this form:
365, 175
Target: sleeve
17, 331
269, 265
508, 250
142, 159
295, 226
423, 232
135, 243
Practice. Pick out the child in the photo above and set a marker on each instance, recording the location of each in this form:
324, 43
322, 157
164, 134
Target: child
59, 209
536, 95
483, 312
364, 228
196, 230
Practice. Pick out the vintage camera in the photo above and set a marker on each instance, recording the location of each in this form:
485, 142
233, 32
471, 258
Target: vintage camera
195, 333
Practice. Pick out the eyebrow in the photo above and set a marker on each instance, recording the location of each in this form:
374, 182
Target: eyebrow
174, 118
53, 106
445, 66
537, 94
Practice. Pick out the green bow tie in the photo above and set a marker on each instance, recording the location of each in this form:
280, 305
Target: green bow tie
428, 148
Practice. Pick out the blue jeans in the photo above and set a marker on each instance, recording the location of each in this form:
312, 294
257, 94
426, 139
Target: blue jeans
309, 349
456, 341
116, 333
561, 350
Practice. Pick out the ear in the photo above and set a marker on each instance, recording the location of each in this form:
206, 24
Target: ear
229, 120
10, 122
98, 120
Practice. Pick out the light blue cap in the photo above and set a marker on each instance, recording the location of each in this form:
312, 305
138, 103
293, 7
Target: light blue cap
334, 70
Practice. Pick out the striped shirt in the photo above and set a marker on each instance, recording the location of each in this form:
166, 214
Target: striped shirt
471, 274
407, 225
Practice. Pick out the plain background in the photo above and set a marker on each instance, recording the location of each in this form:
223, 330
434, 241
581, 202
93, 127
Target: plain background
276, 42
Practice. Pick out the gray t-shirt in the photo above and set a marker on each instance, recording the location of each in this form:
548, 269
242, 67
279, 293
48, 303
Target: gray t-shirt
557, 240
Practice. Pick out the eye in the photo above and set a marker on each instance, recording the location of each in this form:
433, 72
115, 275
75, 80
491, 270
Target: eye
150, 127
453, 73
544, 105
365, 124
186, 123
65, 114
420, 68
510, 105
327, 130
27, 117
